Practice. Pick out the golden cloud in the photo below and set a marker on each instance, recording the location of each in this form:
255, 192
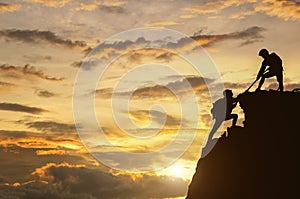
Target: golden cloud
21, 108
285, 9
79, 181
38, 36
107, 6
114, 3
161, 23
41, 171
213, 6
19, 72
50, 152
50, 3
36, 142
242, 15
4, 7
85, 6
187, 16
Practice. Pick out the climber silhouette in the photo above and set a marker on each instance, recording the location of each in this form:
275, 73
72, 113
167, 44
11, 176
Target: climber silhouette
275, 68
227, 102
221, 111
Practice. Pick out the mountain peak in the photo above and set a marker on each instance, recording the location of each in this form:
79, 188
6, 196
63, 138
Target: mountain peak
259, 160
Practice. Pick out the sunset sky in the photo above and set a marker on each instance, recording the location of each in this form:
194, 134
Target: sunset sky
52, 53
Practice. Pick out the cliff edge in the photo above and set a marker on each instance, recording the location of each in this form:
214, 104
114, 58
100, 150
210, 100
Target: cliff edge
260, 160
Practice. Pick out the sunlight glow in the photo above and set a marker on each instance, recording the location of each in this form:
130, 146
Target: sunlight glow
176, 170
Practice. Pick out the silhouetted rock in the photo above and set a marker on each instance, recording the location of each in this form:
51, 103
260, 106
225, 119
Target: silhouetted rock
258, 161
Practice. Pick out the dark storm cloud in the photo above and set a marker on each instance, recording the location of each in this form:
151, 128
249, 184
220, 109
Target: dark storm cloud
51, 126
19, 72
21, 108
37, 36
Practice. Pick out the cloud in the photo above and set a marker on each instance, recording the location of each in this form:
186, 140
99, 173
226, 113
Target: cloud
76, 64
37, 190
50, 152
284, 9
45, 94
167, 56
104, 92
249, 35
231, 85
6, 84
164, 91
156, 116
160, 91
75, 181
161, 23
112, 9
33, 58
87, 7
287, 87
242, 15
51, 126
34, 140
37, 36
105, 50
188, 16
4, 7
74, 178
213, 6
50, 3
21, 108
106, 6
27, 70
114, 2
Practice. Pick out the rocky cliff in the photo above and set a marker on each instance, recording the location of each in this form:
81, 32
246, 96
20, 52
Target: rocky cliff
260, 160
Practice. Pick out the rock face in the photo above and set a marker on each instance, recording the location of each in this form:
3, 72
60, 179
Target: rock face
258, 161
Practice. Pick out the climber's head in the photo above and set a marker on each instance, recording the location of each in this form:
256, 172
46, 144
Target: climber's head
263, 53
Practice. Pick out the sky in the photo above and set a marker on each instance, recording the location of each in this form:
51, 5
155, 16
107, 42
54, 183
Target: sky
111, 99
